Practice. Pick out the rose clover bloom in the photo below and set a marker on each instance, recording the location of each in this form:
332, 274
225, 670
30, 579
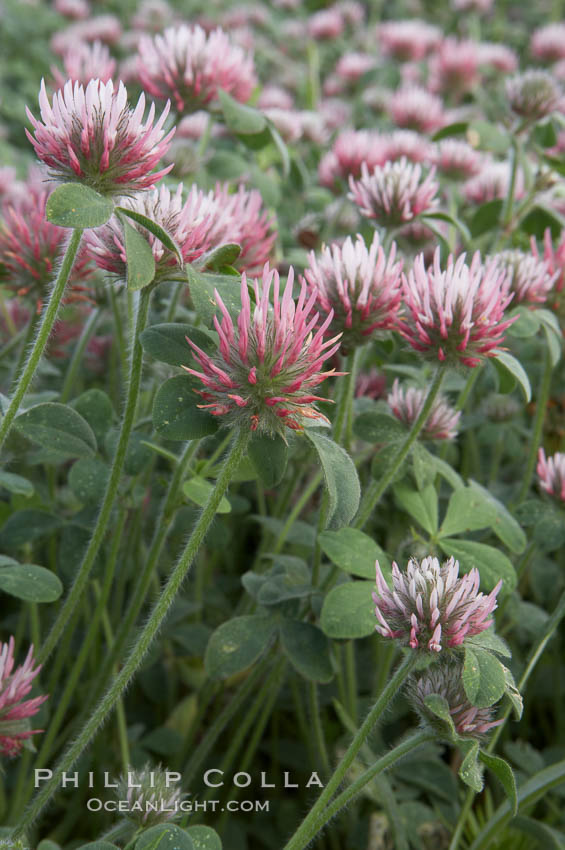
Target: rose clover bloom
83, 62
551, 474
430, 607
188, 66
14, 710
195, 225
445, 680
394, 193
456, 315
530, 277
533, 94
269, 361
415, 108
359, 285
90, 135
406, 406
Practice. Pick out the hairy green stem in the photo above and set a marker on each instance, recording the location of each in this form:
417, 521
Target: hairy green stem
29, 332
144, 638
541, 408
345, 401
160, 532
378, 488
111, 492
315, 819
294, 514
382, 764
319, 737
222, 720
46, 323
76, 359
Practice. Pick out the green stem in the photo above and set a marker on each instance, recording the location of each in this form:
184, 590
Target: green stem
120, 711
145, 637
315, 819
351, 679
377, 489
29, 333
12, 343
112, 486
162, 526
76, 359
379, 766
174, 300
512, 188
541, 408
302, 501
467, 389
43, 332
319, 737
346, 396
268, 689
259, 726
220, 723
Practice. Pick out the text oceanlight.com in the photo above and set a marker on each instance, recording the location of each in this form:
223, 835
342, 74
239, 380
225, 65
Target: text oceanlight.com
95, 804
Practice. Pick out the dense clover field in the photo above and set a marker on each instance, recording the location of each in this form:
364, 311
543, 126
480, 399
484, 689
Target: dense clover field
282, 425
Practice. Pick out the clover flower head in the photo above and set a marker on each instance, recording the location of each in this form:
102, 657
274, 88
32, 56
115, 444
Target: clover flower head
445, 680
106, 28
188, 66
410, 145
548, 42
84, 62
408, 40
498, 56
15, 711
371, 384
472, 5
456, 159
150, 799
350, 150
529, 276
359, 285
533, 94
553, 256
430, 607
195, 224
353, 65
406, 405
415, 108
395, 193
456, 314
90, 135
493, 183
327, 23
76, 9
551, 474
454, 67
500, 408
246, 222
268, 361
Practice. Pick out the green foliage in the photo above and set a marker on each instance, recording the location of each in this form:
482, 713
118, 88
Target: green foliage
78, 206
176, 415
341, 480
